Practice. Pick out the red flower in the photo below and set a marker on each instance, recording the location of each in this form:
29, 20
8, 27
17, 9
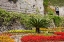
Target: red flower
59, 33
37, 38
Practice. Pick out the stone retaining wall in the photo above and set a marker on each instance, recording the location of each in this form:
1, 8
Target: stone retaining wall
24, 6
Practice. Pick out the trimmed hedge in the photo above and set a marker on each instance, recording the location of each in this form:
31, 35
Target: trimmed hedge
21, 31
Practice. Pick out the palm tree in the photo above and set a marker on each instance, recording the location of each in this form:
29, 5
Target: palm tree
37, 22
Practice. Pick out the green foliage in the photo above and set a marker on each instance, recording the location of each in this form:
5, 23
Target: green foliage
46, 3
62, 23
38, 22
57, 2
25, 19
6, 18
45, 6
51, 11
29, 20
57, 21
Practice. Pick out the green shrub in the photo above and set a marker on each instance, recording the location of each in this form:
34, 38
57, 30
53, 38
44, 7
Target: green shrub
25, 19
8, 18
57, 2
62, 23
57, 21
45, 3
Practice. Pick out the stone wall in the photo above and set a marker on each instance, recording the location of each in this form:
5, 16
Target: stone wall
14, 26
9, 6
24, 6
61, 11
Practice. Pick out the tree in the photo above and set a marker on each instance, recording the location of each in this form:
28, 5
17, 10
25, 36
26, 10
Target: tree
38, 22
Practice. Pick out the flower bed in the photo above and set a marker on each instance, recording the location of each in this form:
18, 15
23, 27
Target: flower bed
37, 38
6, 38
21, 31
5, 34
59, 33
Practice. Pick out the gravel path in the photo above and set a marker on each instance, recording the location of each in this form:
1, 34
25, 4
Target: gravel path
18, 37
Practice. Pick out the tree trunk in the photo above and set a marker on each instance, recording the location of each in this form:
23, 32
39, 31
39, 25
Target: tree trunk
37, 30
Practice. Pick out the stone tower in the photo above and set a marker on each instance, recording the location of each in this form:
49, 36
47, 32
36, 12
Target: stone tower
24, 6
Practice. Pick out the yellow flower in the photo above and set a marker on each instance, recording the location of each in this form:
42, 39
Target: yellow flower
5, 38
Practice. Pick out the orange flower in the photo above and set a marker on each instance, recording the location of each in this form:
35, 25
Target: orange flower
5, 38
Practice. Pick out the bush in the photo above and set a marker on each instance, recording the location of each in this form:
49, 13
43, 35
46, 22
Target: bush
7, 18
57, 21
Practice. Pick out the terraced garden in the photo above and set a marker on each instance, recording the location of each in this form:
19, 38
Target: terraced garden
36, 27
